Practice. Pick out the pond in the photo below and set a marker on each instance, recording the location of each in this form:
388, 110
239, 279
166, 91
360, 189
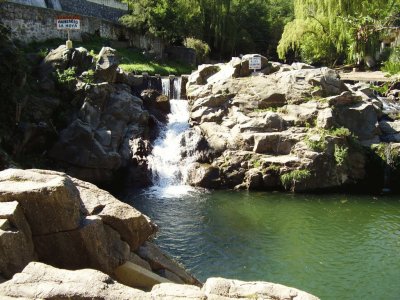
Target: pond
333, 246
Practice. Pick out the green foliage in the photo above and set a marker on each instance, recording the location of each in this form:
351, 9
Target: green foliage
66, 76
88, 77
340, 132
291, 178
392, 65
341, 154
318, 145
229, 27
382, 89
201, 48
325, 31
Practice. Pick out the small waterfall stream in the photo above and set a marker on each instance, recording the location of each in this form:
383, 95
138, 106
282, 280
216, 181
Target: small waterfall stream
166, 161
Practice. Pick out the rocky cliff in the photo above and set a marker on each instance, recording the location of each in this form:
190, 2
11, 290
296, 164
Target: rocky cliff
294, 127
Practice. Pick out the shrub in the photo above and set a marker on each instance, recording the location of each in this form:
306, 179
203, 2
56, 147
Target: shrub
290, 179
392, 65
67, 76
88, 76
340, 154
340, 132
202, 49
317, 145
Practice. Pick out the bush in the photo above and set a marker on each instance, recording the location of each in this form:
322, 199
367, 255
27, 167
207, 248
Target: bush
202, 49
67, 76
290, 179
392, 65
340, 154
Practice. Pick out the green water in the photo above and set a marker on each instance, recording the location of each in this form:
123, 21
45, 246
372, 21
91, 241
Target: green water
333, 246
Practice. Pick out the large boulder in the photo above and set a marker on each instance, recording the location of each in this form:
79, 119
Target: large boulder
94, 245
96, 145
16, 245
134, 227
203, 175
50, 201
66, 222
203, 72
361, 119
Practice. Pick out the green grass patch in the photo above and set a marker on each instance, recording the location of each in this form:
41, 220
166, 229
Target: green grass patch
131, 59
290, 179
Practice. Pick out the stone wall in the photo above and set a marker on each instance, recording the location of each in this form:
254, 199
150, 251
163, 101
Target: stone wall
28, 24
37, 3
182, 54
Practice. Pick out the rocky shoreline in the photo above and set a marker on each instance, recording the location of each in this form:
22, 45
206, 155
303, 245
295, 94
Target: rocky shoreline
65, 223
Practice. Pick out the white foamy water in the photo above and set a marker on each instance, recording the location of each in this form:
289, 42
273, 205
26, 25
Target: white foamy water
166, 162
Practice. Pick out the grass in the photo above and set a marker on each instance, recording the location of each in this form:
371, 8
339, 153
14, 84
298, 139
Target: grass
294, 176
132, 59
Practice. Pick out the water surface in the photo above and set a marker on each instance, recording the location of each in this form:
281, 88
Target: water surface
334, 246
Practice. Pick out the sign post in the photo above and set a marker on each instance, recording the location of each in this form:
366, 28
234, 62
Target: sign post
255, 63
68, 23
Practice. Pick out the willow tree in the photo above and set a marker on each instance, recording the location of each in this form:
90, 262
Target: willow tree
327, 30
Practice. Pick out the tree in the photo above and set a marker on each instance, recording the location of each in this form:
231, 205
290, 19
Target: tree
328, 30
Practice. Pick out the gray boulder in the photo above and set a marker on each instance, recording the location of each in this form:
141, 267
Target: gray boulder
50, 201
16, 245
107, 65
134, 227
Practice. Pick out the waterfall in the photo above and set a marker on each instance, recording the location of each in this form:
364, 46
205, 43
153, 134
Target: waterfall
166, 160
176, 93
165, 82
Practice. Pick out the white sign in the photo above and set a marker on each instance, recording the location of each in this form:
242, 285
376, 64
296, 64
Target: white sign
68, 23
255, 63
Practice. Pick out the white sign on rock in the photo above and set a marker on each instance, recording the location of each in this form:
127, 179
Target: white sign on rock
255, 63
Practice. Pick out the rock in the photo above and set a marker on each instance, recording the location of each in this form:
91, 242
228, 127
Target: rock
388, 127
345, 98
302, 114
203, 175
243, 68
16, 246
203, 72
156, 103
264, 122
107, 65
96, 145
41, 109
279, 143
237, 289
93, 245
325, 118
361, 119
133, 226
135, 276
159, 260
137, 260
301, 66
170, 276
62, 58
50, 201
171, 291
39, 281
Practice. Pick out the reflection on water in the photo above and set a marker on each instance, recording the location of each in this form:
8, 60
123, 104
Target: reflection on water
334, 246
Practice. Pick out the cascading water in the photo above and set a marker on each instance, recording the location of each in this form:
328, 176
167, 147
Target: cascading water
166, 161
165, 83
